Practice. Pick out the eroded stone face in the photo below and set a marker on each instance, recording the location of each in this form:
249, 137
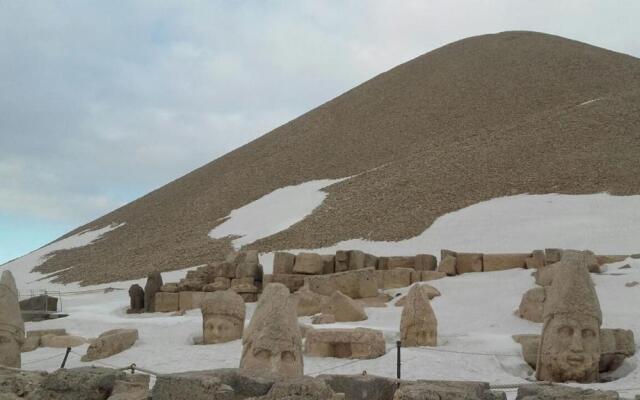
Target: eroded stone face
9, 350
223, 315
282, 357
573, 354
273, 342
570, 343
220, 329
11, 323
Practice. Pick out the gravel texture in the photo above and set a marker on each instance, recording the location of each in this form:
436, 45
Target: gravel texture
480, 118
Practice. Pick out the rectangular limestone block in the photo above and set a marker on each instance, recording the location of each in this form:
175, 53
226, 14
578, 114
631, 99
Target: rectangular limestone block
167, 302
500, 262
355, 284
342, 261
292, 281
190, 300
431, 275
283, 263
401, 262
398, 278
370, 261
425, 262
356, 260
468, 262
382, 263
308, 263
379, 275
328, 264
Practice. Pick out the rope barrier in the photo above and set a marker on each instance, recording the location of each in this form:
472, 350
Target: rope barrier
467, 352
44, 359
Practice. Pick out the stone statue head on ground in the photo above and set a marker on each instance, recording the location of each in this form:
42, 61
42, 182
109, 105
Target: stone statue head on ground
418, 324
11, 323
222, 317
570, 342
273, 342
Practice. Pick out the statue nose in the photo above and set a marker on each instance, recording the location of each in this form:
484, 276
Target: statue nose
576, 343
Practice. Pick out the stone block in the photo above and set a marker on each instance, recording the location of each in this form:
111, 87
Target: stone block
358, 343
401, 262
500, 262
219, 283
468, 262
244, 285
356, 260
292, 281
397, 277
355, 284
111, 342
328, 264
342, 261
370, 261
283, 263
532, 304
431, 275
448, 265
190, 300
167, 302
169, 287
425, 262
308, 263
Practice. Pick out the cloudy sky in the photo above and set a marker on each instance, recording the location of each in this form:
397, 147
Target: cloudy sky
103, 101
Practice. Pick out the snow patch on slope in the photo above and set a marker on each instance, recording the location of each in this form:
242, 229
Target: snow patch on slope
22, 267
599, 222
273, 212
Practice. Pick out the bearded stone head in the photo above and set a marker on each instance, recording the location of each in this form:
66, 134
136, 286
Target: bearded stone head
570, 342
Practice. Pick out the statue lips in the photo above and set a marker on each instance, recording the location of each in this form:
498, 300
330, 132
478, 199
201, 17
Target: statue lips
575, 359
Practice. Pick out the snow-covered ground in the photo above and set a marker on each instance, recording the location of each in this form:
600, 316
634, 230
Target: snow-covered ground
475, 312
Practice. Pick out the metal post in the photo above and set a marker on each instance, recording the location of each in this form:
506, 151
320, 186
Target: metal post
65, 357
398, 345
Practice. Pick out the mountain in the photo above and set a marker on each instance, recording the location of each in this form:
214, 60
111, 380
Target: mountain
483, 117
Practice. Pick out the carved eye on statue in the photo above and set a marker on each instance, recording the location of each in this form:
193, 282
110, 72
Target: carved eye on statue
263, 354
287, 356
588, 333
565, 331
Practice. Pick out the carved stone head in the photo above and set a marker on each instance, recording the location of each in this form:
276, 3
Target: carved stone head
11, 323
273, 342
418, 324
570, 342
223, 315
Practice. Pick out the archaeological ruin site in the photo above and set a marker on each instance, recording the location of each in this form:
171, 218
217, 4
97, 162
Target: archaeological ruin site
470, 233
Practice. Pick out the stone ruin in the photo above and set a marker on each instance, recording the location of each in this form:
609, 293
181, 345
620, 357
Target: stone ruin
11, 323
570, 343
241, 272
272, 341
136, 299
418, 323
616, 345
223, 314
110, 343
153, 285
358, 343
99, 383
